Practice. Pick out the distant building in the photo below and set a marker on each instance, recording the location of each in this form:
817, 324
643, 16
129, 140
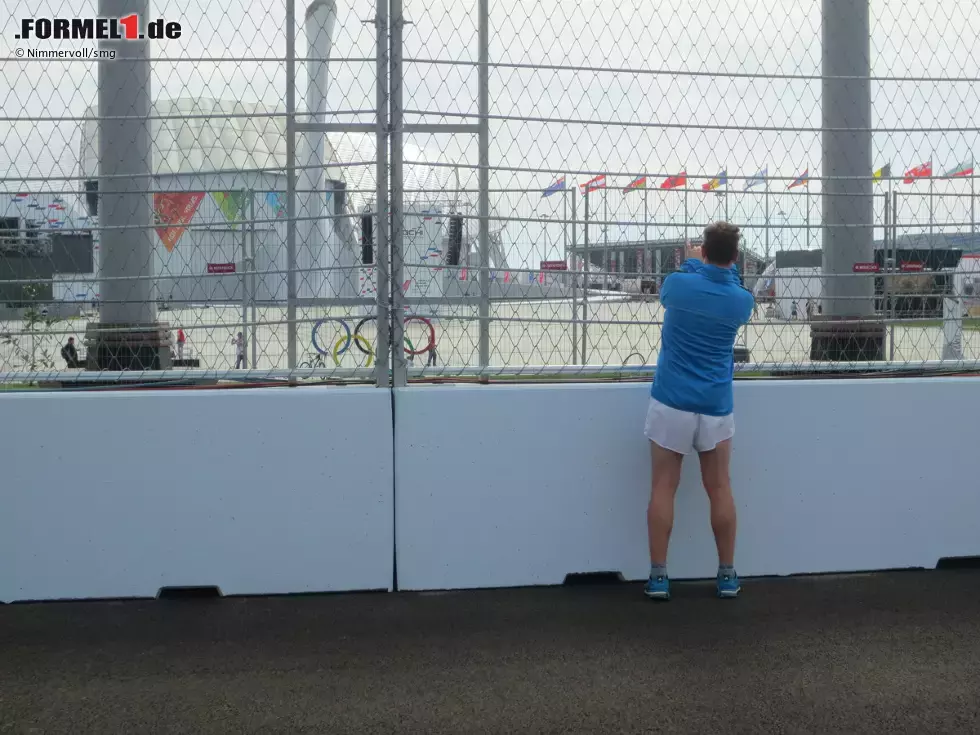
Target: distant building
797, 275
641, 265
36, 263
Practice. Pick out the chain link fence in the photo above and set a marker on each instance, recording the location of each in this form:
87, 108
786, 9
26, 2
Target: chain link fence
251, 190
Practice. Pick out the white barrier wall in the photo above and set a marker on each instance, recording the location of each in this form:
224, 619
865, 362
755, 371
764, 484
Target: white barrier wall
253, 491
521, 485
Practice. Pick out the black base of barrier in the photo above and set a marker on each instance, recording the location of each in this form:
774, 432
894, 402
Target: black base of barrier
206, 592
593, 578
959, 562
188, 363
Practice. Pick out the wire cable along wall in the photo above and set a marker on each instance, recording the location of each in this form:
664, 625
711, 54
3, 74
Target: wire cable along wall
363, 191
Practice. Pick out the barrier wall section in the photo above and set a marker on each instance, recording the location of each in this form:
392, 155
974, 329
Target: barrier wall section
254, 491
522, 485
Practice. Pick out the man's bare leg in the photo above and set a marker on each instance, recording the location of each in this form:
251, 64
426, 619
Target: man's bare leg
716, 478
666, 476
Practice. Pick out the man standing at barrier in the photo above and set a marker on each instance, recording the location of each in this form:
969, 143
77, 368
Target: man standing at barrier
691, 402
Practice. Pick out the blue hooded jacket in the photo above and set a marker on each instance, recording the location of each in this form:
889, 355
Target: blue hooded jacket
704, 307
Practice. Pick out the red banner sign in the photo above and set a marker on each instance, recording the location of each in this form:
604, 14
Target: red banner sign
866, 267
554, 265
174, 210
221, 267
913, 267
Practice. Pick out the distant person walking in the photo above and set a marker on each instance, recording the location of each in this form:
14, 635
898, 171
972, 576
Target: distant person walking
239, 343
181, 339
70, 355
793, 310
809, 309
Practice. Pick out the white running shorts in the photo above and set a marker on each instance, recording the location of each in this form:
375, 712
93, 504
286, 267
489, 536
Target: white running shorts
684, 432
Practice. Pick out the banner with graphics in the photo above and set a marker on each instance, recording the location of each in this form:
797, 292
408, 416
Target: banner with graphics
232, 204
275, 201
174, 210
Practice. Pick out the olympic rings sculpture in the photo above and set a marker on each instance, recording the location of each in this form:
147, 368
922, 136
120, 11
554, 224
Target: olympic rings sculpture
347, 339
411, 351
366, 349
359, 340
362, 344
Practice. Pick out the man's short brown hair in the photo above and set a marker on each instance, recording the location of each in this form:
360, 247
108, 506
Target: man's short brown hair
721, 243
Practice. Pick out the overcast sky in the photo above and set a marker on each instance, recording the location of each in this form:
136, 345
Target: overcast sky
910, 38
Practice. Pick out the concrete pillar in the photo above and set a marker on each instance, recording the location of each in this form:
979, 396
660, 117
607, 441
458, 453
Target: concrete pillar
318, 243
128, 336
847, 186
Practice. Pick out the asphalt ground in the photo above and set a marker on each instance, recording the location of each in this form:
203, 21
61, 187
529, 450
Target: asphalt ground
881, 653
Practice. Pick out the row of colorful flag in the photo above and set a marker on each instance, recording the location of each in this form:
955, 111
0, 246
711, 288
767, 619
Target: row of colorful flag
44, 215
58, 204
679, 181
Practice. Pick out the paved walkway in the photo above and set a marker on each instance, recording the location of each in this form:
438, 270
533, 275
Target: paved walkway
884, 653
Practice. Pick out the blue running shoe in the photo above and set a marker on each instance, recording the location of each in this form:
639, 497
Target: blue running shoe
657, 588
728, 585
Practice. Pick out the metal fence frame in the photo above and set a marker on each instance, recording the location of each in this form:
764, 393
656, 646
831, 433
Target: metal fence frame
391, 368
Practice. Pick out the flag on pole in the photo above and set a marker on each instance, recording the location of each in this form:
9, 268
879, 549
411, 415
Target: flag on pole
599, 182
675, 182
960, 169
557, 186
717, 182
882, 173
640, 183
802, 180
923, 171
759, 178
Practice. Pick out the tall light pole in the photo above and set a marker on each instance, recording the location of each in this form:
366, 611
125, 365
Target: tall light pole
848, 333
127, 336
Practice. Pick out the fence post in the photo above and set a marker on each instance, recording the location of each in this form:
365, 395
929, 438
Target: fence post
382, 282
585, 285
574, 282
254, 285
399, 365
245, 330
484, 180
894, 244
291, 184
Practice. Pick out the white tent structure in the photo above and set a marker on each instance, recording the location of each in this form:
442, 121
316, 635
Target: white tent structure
227, 147
216, 146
